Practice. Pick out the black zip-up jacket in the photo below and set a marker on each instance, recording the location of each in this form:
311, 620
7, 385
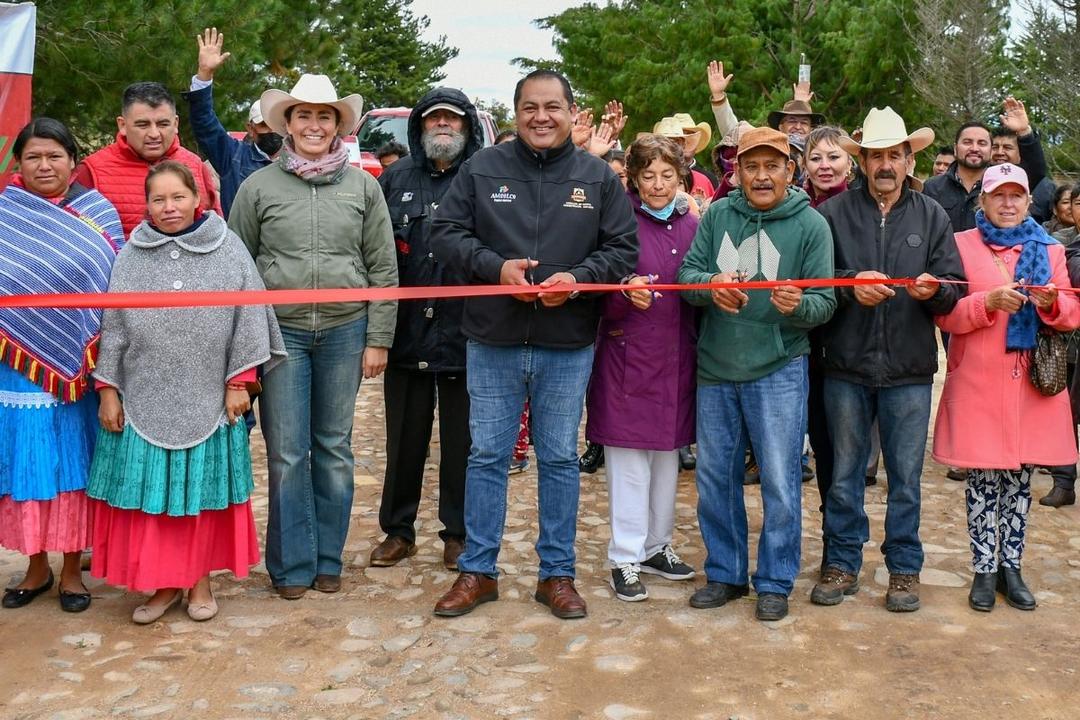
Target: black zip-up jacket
428, 335
961, 204
561, 207
893, 343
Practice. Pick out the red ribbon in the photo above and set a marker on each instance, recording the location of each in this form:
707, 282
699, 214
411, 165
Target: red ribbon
308, 297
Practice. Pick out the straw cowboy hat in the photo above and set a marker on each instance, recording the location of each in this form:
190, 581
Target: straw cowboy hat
884, 129
682, 125
795, 107
314, 89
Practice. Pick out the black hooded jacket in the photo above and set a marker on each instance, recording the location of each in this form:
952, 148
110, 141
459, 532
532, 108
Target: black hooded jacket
428, 335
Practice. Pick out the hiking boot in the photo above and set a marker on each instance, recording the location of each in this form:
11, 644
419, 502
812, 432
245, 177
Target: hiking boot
903, 593
833, 586
626, 584
668, 565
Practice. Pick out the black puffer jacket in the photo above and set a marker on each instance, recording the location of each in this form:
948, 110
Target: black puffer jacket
428, 333
893, 343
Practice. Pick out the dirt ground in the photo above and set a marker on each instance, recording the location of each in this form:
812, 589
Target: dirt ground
376, 651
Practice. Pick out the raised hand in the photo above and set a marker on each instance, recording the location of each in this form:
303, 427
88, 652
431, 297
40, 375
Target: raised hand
602, 140
613, 115
718, 81
582, 130
1014, 116
801, 91
210, 55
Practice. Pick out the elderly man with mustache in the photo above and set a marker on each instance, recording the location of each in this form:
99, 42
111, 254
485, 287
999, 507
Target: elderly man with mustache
880, 354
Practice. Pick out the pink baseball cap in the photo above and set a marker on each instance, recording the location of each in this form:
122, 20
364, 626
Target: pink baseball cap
1003, 174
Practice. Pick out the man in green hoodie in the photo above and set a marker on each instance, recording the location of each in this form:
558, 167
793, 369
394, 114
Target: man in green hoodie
752, 381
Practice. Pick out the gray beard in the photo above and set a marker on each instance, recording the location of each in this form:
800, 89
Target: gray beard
442, 151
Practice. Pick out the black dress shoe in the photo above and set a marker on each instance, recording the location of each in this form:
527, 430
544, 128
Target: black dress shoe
982, 595
15, 598
716, 594
687, 459
1011, 585
592, 459
74, 602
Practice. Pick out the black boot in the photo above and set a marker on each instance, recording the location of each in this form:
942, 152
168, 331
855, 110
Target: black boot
592, 459
1011, 585
1058, 496
982, 595
687, 459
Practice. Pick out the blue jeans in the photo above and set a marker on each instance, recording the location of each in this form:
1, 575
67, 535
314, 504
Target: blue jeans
770, 413
306, 409
499, 379
903, 415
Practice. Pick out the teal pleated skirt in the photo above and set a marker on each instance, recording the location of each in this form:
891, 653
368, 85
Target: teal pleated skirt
130, 473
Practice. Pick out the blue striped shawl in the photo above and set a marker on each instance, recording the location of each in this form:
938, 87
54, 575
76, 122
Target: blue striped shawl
48, 248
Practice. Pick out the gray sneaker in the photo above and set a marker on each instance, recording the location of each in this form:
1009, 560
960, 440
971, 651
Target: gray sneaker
833, 586
626, 584
903, 593
668, 565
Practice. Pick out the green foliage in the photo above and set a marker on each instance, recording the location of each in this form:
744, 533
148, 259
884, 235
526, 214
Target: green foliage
88, 51
1045, 67
652, 55
500, 113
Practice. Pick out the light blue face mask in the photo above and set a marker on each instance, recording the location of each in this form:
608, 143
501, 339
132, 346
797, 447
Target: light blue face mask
663, 213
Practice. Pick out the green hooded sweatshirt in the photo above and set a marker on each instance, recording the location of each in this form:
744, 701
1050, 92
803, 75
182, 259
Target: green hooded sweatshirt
791, 241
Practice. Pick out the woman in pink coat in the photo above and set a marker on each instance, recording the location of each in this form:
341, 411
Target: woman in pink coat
991, 419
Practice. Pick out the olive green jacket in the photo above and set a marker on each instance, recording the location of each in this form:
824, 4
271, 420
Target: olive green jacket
326, 233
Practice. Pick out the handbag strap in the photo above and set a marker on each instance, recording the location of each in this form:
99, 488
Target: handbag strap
1002, 268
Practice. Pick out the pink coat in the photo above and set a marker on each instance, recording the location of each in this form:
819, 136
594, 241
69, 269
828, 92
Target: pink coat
988, 417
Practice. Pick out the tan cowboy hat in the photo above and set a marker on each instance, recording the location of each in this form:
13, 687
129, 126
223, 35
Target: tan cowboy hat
884, 129
795, 107
314, 89
682, 126
703, 128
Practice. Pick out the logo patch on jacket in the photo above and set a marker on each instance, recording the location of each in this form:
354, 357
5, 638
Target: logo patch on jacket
503, 195
578, 200
406, 197
744, 259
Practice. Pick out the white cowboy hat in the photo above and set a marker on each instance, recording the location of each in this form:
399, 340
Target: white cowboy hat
314, 89
884, 129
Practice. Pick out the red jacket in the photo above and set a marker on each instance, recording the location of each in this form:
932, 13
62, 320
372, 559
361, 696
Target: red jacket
119, 174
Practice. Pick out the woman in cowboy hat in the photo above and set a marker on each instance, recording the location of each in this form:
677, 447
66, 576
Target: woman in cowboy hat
311, 220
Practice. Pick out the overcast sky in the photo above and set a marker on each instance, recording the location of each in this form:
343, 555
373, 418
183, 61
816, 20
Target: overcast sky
489, 34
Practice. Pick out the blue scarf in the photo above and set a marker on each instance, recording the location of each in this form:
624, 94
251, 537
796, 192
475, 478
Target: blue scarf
1033, 268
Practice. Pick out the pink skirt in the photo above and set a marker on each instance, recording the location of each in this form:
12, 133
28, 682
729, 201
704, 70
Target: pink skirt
59, 525
144, 552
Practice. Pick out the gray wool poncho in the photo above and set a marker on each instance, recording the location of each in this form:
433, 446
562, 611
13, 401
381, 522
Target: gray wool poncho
171, 365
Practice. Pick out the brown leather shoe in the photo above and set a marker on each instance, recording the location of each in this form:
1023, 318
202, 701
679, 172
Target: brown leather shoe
327, 583
559, 594
452, 548
469, 590
391, 551
290, 592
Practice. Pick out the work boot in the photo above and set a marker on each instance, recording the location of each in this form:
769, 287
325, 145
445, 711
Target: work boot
903, 593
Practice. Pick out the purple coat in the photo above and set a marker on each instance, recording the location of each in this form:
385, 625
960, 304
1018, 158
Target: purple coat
642, 391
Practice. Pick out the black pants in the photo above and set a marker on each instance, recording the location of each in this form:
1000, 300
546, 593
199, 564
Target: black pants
1065, 475
410, 411
818, 430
